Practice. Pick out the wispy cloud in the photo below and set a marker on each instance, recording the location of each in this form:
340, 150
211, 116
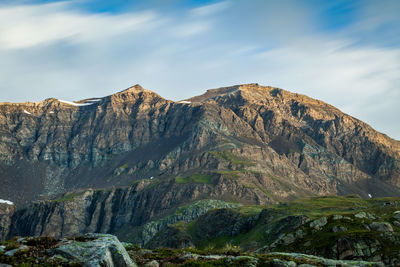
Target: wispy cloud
209, 9
30, 25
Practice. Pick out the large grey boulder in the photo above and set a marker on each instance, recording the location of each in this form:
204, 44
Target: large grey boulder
381, 226
96, 250
319, 223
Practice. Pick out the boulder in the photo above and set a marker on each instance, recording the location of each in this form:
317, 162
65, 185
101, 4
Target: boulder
96, 250
397, 215
337, 217
11, 253
364, 215
338, 229
381, 226
152, 263
319, 223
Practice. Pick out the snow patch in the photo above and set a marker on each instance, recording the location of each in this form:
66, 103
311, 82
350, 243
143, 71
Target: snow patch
75, 104
27, 112
51, 112
369, 195
184, 102
6, 202
94, 100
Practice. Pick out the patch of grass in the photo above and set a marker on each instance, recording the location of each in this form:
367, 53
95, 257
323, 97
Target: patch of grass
201, 178
231, 174
125, 166
195, 178
279, 181
323, 206
232, 158
250, 210
181, 180
65, 198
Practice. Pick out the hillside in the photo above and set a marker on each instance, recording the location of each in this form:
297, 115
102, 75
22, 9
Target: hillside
121, 161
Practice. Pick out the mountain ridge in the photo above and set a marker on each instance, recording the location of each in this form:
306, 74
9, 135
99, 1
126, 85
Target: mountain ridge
247, 143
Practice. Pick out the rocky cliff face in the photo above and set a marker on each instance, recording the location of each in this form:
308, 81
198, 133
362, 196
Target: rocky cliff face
146, 156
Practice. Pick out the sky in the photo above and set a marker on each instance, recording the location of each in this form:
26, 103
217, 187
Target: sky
344, 52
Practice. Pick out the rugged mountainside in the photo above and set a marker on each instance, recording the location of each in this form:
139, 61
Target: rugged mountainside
134, 157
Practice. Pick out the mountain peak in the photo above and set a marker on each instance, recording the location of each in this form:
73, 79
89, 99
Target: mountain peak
250, 90
136, 90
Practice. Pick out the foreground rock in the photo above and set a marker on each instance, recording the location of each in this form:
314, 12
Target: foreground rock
96, 250
91, 250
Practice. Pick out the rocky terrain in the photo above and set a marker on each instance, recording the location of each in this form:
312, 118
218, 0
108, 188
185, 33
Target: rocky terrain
144, 168
319, 231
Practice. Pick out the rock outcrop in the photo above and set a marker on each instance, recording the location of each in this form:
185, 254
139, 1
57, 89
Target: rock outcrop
97, 251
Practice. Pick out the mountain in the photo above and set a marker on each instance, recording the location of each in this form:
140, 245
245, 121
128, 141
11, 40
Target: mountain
115, 163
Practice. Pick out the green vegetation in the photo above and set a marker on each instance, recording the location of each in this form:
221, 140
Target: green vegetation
65, 198
322, 206
281, 219
195, 178
125, 166
279, 181
231, 174
181, 180
232, 158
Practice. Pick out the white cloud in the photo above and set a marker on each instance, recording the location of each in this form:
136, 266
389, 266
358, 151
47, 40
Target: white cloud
30, 25
211, 9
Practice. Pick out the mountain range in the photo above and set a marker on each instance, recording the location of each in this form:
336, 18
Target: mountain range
117, 163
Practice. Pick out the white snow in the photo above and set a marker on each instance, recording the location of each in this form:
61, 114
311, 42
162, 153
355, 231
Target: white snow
51, 112
6, 202
75, 104
184, 102
27, 112
369, 195
95, 100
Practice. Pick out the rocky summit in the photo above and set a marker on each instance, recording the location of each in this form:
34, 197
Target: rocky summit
133, 164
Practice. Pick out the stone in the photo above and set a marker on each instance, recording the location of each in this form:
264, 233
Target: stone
288, 239
278, 263
365, 215
12, 252
250, 261
338, 229
152, 263
99, 250
319, 223
190, 256
337, 217
300, 234
397, 215
381, 226
2, 249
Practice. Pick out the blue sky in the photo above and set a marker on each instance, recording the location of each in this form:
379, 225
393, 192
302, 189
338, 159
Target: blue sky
346, 53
